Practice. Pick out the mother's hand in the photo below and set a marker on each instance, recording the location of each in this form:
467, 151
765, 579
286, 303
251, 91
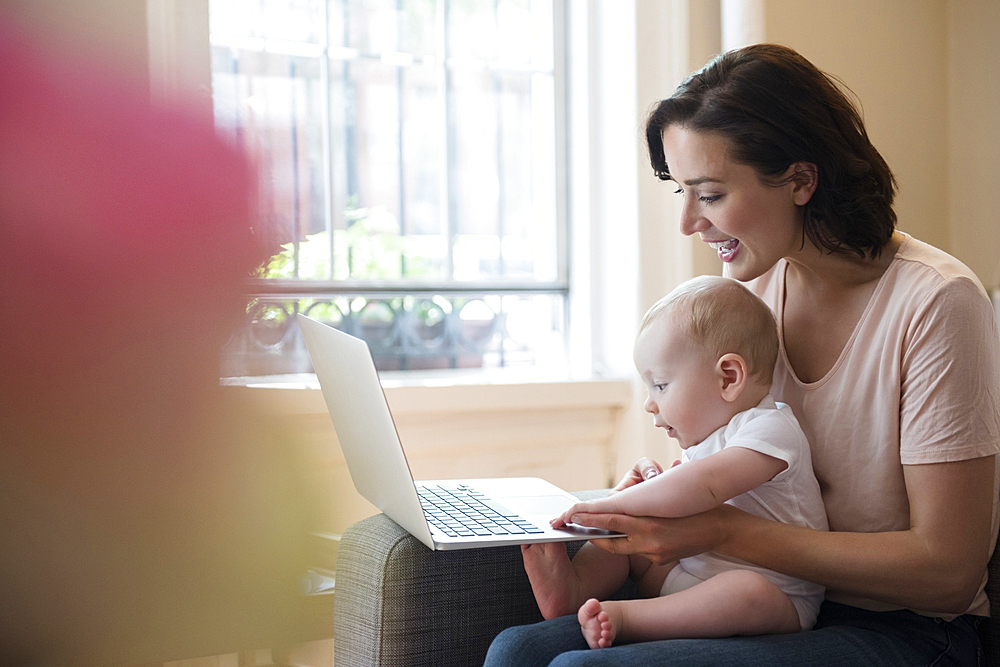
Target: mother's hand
663, 540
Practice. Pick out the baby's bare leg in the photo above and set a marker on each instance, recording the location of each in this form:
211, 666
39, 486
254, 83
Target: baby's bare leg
648, 577
561, 586
737, 602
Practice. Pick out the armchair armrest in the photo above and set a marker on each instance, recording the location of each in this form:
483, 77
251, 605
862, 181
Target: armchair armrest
399, 603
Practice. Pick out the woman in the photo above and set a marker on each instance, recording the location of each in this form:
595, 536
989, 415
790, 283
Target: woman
889, 359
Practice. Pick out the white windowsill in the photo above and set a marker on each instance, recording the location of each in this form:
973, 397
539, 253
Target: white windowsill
445, 391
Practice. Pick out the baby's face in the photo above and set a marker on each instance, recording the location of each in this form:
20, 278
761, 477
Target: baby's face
685, 389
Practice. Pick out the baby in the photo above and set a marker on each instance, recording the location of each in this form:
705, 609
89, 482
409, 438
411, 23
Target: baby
706, 353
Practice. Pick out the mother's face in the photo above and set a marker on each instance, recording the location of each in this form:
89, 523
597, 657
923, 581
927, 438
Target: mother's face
752, 224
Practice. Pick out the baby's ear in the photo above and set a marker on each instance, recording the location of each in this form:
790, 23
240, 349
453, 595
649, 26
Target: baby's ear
731, 370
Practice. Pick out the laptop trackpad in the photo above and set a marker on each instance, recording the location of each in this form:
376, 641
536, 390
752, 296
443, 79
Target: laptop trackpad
550, 505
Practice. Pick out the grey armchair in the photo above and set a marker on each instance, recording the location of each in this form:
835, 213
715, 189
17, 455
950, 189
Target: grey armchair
399, 604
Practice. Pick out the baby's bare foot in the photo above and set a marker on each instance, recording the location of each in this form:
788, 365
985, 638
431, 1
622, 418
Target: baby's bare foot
553, 580
598, 626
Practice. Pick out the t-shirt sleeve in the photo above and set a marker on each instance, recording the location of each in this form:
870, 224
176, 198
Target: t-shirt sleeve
950, 378
775, 435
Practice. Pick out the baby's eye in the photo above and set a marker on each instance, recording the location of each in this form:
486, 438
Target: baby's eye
659, 387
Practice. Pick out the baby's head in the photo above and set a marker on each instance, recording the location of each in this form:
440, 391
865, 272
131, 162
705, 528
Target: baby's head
722, 315
706, 352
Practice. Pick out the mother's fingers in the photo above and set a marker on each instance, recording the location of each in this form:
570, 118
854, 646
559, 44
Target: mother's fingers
626, 546
641, 535
616, 523
659, 540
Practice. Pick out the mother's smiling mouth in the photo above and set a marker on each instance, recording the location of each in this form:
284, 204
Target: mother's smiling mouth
727, 249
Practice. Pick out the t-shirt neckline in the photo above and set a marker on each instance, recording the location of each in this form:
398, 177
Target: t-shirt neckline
780, 317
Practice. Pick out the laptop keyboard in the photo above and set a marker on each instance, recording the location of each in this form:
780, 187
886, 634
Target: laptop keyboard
462, 511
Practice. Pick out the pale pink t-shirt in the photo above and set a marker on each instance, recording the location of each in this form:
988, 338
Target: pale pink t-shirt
918, 382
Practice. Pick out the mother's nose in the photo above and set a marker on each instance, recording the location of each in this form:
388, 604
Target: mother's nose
692, 221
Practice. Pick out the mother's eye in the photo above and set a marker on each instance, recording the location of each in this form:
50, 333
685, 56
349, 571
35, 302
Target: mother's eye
706, 199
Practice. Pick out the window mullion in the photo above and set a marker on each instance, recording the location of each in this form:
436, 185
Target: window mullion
498, 101
296, 193
400, 75
327, 134
350, 131
451, 207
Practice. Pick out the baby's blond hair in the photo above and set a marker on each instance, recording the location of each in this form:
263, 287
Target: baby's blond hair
724, 317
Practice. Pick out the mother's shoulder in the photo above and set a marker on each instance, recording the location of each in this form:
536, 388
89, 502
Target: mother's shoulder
915, 255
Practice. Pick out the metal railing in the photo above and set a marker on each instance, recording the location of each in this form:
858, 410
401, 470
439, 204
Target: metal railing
404, 330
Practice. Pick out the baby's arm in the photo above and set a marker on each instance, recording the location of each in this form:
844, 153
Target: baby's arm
691, 488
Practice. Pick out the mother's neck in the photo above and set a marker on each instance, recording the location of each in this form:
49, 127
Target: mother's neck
816, 269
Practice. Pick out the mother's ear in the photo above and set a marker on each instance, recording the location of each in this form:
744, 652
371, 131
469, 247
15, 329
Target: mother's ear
804, 177
731, 370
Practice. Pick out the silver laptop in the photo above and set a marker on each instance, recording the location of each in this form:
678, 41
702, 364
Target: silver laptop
492, 511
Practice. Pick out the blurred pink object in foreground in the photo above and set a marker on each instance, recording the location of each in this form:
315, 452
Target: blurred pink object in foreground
145, 517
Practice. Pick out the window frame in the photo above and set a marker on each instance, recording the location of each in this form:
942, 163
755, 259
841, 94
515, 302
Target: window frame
294, 291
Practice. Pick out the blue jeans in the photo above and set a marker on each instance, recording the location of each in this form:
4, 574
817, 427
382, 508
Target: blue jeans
843, 636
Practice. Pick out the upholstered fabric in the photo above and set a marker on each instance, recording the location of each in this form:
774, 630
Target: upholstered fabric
399, 603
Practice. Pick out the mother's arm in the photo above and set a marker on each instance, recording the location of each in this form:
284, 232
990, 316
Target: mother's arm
937, 565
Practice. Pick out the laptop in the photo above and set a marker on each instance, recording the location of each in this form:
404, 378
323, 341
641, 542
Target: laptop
499, 511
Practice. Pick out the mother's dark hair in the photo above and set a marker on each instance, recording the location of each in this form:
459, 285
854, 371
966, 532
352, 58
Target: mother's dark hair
776, 108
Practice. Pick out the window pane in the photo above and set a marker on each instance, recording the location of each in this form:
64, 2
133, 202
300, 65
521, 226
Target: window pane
475, 184
287, 20
527, 202
272, 103
418, 33
376, 160
424, 173
472, 30
372, 26
544, 235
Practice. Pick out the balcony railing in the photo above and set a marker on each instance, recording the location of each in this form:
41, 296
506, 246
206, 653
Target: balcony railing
405, 330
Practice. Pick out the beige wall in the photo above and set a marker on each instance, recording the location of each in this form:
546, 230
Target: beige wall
893, 55
114, 29
973, 168
926, 74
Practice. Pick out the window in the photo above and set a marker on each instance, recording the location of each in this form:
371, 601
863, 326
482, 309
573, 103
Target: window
412, 170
